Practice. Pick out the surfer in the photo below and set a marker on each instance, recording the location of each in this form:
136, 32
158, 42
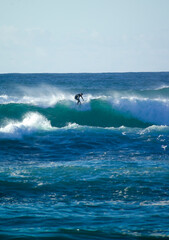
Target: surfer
78, 96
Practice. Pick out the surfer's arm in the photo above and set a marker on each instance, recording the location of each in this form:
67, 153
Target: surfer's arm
82, 98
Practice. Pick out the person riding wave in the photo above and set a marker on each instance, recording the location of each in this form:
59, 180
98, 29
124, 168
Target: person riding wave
78, 96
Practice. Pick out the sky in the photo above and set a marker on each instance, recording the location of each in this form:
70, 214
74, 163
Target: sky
66, 36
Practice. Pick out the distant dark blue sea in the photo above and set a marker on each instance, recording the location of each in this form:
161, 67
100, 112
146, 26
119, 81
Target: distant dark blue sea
99, 170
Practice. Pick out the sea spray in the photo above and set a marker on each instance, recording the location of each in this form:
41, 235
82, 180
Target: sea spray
95, 171
31, 122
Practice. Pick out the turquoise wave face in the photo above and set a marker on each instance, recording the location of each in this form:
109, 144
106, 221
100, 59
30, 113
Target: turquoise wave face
95, 171
130, 108
97, 113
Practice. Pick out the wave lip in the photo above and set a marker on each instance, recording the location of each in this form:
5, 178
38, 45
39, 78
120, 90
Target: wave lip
34, 122
153, 111
31, 122
131, 109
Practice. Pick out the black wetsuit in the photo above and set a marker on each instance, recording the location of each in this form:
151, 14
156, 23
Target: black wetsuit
77, 97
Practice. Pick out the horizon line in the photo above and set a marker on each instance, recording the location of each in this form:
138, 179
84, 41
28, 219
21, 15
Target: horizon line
84, 72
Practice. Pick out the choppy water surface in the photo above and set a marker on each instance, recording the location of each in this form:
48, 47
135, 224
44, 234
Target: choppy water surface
95, 171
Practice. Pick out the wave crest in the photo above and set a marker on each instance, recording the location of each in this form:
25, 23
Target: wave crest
114, 110
31, 122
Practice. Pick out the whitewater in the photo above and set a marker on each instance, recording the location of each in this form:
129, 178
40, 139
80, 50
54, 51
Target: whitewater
98, 170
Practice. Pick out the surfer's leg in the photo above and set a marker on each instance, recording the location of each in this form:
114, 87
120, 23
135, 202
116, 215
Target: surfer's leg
78, 101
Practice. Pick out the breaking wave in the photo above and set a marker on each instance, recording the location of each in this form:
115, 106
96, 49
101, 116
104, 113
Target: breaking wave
32, 122
52, 108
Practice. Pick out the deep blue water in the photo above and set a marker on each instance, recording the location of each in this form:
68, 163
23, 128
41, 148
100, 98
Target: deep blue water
95, 171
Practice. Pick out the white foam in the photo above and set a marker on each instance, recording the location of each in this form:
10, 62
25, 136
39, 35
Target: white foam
31, 122
164, 147
154, 111
155, 129
158, 203
43, 96
72, 126
162, 87
89, 97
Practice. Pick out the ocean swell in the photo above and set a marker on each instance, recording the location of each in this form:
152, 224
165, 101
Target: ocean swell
59, 109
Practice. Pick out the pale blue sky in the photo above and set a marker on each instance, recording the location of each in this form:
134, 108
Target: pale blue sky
84, 35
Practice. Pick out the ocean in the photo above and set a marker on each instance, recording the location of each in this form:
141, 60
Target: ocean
99, 170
